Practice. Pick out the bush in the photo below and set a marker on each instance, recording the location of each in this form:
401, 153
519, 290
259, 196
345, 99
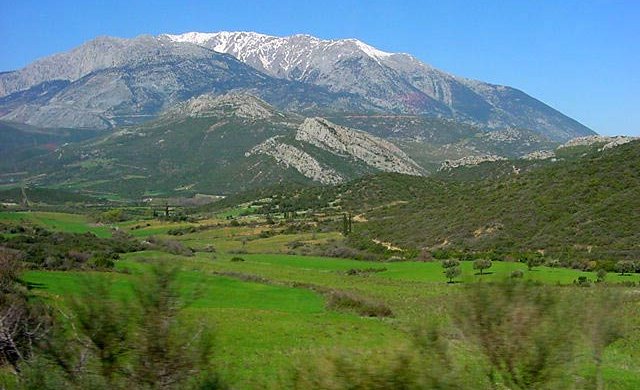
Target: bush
170, 246
517, 274
236, 259
112, 216
582, 281
366, 307
364, 271
104, 260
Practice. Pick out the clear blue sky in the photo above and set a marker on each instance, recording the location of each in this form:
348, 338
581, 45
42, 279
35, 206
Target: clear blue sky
580, 57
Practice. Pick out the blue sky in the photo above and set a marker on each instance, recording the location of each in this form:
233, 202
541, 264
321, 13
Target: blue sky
580, 57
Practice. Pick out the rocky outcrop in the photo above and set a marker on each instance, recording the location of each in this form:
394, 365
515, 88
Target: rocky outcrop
540, 155
468, 161
607, 142
290, 156
240, 105
346, 142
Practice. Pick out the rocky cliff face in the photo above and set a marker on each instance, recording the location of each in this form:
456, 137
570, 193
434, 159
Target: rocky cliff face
291, 156
345, 142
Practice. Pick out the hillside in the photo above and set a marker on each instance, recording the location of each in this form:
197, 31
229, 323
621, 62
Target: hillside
20, 142
579, 207
217, 145
583, 206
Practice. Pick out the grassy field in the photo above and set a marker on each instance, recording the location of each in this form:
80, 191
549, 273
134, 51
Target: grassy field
270, 312
70, 223
260, 329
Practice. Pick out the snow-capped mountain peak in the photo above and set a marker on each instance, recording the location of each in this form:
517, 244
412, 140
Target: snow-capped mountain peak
352, 72
370, 50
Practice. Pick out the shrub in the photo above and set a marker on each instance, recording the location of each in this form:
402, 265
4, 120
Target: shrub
366, 307
112, 216
554, 263
517, 274
104, 260
521, 329
171, 246
236, 259
364, 271
582, 281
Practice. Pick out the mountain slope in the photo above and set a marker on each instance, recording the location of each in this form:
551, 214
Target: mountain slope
110, 82
394, 81
20, 142
214, 144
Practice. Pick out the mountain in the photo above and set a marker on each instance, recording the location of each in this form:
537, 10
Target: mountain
108, 82
397, 82
217, 144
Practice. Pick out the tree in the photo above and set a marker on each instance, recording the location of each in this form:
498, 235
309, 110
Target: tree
624, 267
452, 273
450, 263
482, 264
533, 261
346, 224
602, 274
451, 269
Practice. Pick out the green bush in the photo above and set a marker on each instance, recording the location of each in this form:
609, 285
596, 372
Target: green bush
366, 307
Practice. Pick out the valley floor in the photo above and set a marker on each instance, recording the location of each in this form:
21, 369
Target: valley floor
271, 311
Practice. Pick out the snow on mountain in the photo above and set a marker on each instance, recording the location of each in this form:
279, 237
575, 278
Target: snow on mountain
343, 75
392, 81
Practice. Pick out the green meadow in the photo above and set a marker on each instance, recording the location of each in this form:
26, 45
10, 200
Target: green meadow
270, 312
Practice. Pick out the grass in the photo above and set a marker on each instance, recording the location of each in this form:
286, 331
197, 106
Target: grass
262, 329
64, 222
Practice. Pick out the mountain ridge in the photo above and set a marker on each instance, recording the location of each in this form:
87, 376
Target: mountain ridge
348, 75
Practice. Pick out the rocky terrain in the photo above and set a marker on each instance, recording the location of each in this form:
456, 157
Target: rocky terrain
606, 142
290, 156
110, 82
467, 161
342, 141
